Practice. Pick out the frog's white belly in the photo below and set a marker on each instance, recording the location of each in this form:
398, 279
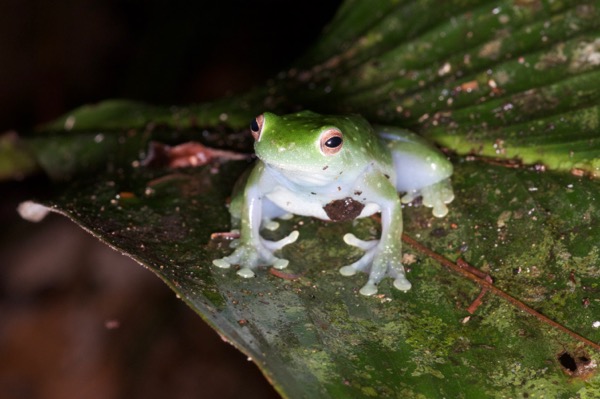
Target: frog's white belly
297, 203
307, 204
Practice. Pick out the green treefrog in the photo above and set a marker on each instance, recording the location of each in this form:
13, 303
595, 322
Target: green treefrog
334, 168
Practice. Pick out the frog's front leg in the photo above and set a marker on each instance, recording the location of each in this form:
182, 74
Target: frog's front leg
251, 249
383, 257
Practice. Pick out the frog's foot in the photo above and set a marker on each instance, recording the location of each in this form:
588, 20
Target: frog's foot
410, 196
270, 224
363, 264
251, 255
377, 264
273, 225
435, 196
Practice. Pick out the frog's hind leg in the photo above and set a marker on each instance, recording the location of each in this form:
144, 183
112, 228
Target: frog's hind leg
435, 196
421, 170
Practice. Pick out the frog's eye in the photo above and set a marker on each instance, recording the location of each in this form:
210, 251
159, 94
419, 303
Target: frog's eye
256, 126
331, 141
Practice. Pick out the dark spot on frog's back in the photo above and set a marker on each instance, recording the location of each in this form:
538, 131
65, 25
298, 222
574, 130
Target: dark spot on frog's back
343, 209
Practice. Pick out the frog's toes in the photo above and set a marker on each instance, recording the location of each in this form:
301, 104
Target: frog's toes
247, 255
281, 264
277, 245
440, 210
438, 205
378, 265
402, 283
364, 263
410, 196
245, 272
270, 225
252, 254
361, 265
437, 196
351, 239
348, 271
222, 263
369, 289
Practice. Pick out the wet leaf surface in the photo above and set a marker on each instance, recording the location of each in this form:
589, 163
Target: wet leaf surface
535, 233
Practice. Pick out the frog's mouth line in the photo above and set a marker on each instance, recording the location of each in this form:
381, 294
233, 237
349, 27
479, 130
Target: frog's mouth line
286, 167
302, 177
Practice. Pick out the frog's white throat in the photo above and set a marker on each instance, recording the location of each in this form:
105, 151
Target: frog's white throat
302, 178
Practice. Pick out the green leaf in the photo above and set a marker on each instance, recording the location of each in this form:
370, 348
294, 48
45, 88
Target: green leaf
502, 86
125, 114
315, 336
499, 79
16, 160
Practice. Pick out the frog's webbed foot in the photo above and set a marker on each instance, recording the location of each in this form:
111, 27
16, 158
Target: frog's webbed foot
435, 196
252, 254
377, 263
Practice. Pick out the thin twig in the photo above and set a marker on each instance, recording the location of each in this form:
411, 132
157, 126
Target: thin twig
477, 302
491, 287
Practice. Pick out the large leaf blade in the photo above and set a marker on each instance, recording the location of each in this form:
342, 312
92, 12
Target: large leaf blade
317, 337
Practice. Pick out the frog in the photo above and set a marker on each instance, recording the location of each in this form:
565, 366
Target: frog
334, 168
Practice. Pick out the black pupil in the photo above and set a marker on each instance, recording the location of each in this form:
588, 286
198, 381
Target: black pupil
254, 126
334, 142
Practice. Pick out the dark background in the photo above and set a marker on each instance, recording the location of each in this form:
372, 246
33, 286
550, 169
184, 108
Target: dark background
78, 320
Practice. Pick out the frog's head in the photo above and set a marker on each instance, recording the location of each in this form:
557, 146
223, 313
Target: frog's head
310, 147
